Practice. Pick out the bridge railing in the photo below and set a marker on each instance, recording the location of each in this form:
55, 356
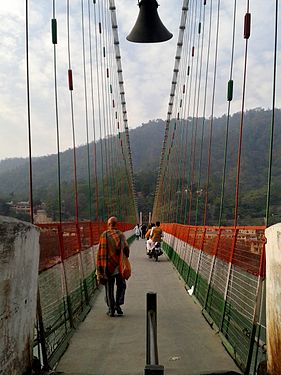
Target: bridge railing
152, 362
67, 281
223, 267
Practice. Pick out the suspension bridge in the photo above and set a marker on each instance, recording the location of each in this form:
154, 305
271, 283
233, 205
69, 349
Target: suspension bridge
217, 282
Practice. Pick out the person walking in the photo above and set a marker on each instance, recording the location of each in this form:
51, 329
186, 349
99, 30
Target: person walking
137, 231
143, 230
112, 246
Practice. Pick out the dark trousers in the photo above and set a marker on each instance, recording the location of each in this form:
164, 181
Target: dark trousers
117, 300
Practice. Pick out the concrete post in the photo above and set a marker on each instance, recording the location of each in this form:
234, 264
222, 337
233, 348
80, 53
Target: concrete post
273, 300
19, 260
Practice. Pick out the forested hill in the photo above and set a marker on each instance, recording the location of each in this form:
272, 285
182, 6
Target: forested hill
146, 144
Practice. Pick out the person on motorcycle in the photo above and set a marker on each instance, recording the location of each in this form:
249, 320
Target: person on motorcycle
156, 233
149, 242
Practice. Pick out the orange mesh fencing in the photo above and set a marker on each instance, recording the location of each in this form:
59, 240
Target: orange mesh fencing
50, 253
59, 241
242, 246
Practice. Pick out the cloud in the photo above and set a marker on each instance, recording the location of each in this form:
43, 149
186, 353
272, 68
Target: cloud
147, 69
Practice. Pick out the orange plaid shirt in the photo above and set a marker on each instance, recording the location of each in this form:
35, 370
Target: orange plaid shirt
112, 241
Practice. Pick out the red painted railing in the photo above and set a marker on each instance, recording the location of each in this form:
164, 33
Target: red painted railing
241, 246
59, 241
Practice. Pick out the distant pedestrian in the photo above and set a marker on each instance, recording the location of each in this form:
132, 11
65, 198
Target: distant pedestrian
137, 231
143, 230
112, 246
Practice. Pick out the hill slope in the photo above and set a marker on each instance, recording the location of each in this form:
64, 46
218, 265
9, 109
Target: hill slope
146, 145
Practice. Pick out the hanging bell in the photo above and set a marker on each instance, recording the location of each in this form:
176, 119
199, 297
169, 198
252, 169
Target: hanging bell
149, 28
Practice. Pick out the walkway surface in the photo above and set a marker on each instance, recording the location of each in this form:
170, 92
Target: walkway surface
106, 345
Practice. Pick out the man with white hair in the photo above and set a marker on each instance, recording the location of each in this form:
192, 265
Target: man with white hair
112, 246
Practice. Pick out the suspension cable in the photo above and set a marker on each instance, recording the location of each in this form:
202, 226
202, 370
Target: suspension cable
93, 112
29, 112
86, 111
54, 41
212, 115
273, 116
198, 193
247, 31
229, 99
70, 86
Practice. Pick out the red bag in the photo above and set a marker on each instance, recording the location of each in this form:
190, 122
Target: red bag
125, 267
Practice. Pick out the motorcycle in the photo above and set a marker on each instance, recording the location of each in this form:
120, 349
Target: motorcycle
156, 251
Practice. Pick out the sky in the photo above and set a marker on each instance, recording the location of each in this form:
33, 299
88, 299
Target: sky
147, 69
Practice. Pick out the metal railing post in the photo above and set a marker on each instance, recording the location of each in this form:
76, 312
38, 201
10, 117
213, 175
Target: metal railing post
152, 363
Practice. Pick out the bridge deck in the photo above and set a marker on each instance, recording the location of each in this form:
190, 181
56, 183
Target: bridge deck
116, 346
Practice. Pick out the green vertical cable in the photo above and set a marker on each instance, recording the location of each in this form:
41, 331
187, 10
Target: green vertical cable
229, 98
99, 112
195, 116
55, 41
205, 104
86, 112
93, 114
108, 106
201, 31
272, 119
192, 27
187, 36
103, 52
193, 129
